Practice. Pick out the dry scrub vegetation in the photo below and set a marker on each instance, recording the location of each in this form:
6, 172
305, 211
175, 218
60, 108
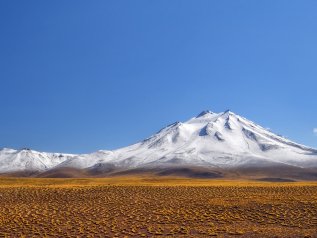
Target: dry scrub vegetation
220, 209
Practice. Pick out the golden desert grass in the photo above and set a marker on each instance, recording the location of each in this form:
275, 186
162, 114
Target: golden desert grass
156, 206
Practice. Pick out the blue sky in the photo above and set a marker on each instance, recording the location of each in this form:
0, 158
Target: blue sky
78, 76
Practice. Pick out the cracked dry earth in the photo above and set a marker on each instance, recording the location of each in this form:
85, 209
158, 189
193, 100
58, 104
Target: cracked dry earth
156, 211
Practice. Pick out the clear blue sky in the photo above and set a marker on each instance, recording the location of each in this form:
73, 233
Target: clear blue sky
78, 76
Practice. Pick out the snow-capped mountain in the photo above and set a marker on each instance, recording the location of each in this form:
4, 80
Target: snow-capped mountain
210, 140
29, 160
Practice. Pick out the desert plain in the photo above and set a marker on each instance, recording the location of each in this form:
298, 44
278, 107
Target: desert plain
156, 207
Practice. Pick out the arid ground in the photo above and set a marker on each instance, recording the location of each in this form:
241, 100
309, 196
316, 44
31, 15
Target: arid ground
156, 207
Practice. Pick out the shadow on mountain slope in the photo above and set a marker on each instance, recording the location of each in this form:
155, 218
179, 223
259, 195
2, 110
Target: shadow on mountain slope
268, 173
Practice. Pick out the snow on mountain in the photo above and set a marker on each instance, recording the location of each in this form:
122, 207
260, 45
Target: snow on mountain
29, 160
217, 140
86, 160
214, 139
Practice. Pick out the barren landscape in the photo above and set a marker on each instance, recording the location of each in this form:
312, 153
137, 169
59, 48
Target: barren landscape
160, 118
156, 206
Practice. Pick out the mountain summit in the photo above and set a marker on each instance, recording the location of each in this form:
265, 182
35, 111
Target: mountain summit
210, 141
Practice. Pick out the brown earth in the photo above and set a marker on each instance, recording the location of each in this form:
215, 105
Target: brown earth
155, 207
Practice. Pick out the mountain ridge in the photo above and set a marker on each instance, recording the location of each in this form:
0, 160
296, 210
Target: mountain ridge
223, 141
